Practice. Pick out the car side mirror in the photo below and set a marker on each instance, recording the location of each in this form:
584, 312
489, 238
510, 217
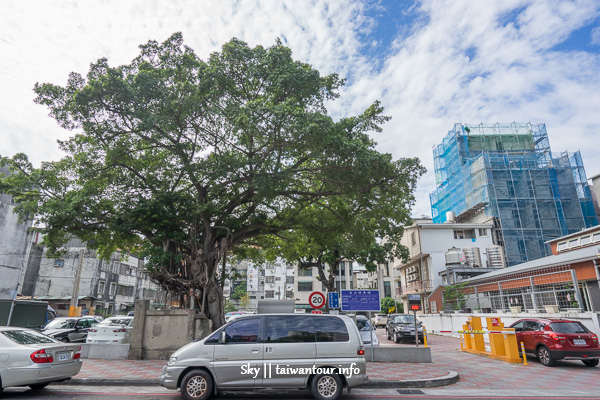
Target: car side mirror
223, 337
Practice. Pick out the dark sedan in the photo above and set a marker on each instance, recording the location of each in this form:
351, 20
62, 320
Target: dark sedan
402, 326
69, 329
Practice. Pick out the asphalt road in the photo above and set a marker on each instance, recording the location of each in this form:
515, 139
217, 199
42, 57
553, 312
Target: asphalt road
158, 393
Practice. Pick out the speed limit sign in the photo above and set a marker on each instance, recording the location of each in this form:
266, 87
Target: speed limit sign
316, 299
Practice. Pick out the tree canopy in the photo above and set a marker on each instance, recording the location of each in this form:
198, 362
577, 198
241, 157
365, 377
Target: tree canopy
187, 161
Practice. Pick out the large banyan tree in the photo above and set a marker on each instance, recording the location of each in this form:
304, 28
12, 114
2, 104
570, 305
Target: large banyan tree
184, 160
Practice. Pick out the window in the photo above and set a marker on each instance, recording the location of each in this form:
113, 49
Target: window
27, 337
413, 239
573, 242
568, 327
585, 239
125, 269
483, 232
531, 326
243, 331
113, 288
104, 265
562, 246
305, 271
331, 330
59, 262
269, 294
305, 286
464, 234
289, 329
269, 279
125, 290
101, 286
596, 237
277, 278
84, 323
289, 279
289, 294
116, 266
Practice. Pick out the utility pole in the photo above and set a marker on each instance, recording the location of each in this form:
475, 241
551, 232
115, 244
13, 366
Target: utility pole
75, 296
14, 298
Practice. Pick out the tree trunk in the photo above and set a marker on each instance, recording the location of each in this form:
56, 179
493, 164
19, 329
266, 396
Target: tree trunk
214, 303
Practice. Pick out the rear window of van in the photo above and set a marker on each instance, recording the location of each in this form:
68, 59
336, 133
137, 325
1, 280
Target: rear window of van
331, 329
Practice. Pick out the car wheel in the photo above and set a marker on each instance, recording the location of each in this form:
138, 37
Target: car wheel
387, 333
38, 386
591, 363
326, 387
396, 338
196, 385
543, 354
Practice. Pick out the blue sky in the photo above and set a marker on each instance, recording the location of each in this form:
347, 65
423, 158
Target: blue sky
431, 63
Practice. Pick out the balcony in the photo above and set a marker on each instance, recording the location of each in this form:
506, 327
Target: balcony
415, 287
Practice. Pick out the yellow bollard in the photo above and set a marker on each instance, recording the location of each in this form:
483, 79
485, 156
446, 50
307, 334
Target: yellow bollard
524, 355
424, 336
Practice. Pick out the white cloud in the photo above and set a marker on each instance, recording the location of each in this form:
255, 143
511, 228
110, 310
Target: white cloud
459, 64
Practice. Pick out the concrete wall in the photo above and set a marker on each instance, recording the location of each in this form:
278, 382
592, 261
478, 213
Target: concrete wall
14, 245
454, 321
158, 333
105, 351
399, 354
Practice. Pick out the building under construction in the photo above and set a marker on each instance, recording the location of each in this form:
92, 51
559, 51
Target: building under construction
507, 174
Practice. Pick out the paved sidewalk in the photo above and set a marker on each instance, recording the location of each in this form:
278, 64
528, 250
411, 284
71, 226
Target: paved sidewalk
476, 372
146, 372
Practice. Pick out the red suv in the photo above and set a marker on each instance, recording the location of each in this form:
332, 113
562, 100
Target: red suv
557, 339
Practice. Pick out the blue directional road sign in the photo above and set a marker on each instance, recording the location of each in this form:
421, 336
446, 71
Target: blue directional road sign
360, 300
334, 300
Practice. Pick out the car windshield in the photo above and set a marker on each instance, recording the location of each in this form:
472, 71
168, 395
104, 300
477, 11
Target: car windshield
61, 324
116, 321
363, 325
27, 337
404, 319
568, 327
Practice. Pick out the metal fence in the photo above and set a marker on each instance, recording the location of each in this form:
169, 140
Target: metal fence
558, 288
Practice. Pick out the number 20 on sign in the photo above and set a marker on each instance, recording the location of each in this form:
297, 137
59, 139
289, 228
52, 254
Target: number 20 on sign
316, 299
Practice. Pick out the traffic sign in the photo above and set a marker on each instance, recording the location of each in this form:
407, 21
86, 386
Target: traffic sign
316, 312
316, 299
360, 300
334, 300
414, 302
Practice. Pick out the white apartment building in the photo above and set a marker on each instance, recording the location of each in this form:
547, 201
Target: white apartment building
428, 244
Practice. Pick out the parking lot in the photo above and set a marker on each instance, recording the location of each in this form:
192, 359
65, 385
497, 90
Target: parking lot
482, 373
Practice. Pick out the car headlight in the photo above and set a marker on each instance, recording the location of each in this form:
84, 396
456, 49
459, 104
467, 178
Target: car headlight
172, 360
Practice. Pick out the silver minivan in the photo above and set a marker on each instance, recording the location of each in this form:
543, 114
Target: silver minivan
323, 353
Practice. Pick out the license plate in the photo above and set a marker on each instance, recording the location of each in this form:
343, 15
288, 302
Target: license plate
579, 341
63, 356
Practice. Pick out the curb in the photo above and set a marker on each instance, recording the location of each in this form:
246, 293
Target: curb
450, 378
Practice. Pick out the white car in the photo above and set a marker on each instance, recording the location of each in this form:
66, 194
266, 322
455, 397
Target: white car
29, 358
113, 330
366, 331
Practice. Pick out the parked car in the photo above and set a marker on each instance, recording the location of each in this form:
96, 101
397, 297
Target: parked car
366, 330
113, 330
29, 358
402, 326
69, 329
284, 351
558, 339
379, 320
